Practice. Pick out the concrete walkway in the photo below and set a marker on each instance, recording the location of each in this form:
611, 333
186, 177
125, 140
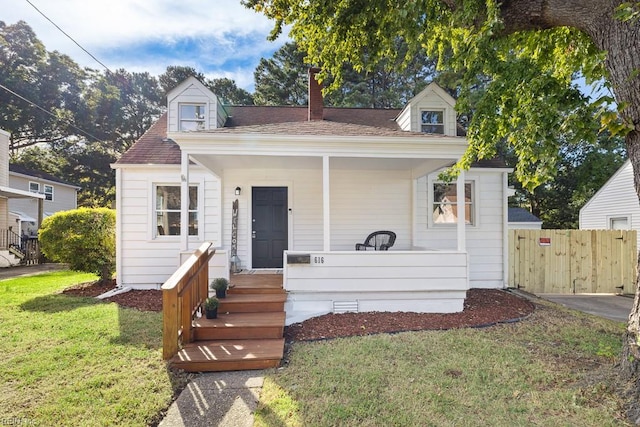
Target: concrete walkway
224, 399
614, 307
29, 270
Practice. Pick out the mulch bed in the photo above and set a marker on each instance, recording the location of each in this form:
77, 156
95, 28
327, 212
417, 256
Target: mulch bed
483, 307
150, 300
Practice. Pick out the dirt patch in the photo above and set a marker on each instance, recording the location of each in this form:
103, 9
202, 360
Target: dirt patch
483, 307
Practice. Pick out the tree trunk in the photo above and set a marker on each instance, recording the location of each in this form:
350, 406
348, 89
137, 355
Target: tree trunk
621, 42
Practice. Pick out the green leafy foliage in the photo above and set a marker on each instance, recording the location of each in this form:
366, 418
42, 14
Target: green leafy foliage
83, 238
528, 99
51, 80
582, 169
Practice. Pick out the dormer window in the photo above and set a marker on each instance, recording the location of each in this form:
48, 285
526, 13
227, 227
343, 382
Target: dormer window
432, 121
192, 117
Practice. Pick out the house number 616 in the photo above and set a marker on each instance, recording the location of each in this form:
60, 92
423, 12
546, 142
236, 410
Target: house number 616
318, 260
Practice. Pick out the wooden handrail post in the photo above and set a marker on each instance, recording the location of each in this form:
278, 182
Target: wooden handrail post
182, 295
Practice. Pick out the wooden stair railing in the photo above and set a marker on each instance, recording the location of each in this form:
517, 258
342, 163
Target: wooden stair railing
182, 295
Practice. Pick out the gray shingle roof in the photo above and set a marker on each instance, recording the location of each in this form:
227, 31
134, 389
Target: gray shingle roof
522, 215
154, 148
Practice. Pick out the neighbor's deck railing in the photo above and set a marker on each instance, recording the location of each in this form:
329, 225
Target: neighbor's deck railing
182, 296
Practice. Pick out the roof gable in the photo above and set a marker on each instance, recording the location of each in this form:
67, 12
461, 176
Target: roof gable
432, 91
190, 83
431, 98
610, 181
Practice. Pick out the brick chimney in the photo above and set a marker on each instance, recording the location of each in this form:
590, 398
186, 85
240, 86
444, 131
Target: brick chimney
315, 96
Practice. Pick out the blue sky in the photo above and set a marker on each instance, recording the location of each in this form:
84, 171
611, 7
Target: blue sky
219, 38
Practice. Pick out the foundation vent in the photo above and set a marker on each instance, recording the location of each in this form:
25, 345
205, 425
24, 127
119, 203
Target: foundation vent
345, 306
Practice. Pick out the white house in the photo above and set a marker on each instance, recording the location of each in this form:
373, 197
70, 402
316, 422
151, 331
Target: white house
615, 206
311, 182
58, 196
11, 250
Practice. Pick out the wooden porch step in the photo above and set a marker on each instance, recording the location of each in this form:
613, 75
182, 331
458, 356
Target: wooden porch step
255, 283
252, 303
229, 355
246, 289
235, 326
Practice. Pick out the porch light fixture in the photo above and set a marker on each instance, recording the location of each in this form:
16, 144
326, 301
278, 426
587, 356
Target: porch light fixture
238, 191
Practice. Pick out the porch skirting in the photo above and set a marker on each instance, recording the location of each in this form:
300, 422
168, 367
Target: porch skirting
318, 283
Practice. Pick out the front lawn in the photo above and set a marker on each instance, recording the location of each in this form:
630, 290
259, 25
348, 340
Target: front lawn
77, 361
554, 368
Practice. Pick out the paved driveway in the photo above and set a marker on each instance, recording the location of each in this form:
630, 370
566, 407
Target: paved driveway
612, 307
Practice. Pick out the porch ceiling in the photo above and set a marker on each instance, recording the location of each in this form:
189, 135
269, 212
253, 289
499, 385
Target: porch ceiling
218, 163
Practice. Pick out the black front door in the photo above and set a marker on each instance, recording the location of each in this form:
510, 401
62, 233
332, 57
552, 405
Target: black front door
270, 226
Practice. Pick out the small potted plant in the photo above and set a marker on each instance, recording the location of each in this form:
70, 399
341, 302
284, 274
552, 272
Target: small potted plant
211, 307
220, 285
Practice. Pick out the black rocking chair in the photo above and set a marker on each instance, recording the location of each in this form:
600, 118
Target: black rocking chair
377, 241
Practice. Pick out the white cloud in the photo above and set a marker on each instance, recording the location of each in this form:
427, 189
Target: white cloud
217, 37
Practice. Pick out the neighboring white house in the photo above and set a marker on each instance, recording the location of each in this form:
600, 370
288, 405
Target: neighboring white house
520, 218
312, 182
58, 196
10, 240
615, 206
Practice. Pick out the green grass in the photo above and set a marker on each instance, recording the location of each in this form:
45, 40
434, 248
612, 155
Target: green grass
554, 369
77, 361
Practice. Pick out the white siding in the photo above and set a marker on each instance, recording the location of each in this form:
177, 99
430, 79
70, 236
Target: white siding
365, 201
484, 239
191, 91
305, 206
362, 201
431, 98
427, 282
616, 198
147, 262
4, 158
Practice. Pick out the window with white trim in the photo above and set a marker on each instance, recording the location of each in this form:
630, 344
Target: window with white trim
432, 121
34, 187
48, 192
619, 223
445, 203
192, 117
167, 210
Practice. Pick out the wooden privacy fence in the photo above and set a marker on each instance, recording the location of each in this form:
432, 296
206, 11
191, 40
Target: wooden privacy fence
573, 261
182, 295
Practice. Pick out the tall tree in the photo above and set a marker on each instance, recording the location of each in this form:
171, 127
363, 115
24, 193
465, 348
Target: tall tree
529, 49
176, 74
228, 90
582, 170
281, 80
121, 106
52, 81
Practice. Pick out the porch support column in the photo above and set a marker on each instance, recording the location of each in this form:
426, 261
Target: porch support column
184, 201
326, 193
461, 208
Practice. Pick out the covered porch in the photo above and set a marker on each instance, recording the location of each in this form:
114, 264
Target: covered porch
337, 191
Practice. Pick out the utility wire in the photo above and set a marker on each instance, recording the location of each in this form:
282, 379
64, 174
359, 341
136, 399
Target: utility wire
68, 36
47, 111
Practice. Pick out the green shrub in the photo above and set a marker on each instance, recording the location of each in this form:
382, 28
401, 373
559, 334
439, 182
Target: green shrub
83, 238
